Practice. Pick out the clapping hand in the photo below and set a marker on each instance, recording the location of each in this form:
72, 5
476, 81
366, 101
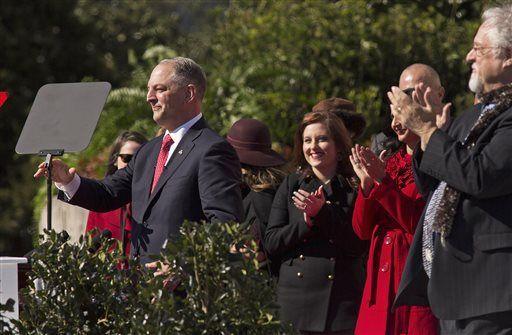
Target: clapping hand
443, 120
374, 166
417, 112
309, 203
368, 167
433, 102
422, 113
358, 166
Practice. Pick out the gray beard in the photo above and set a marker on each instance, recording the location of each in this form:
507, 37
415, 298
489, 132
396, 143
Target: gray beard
475, 84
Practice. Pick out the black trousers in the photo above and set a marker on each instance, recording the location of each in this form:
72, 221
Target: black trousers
488, 324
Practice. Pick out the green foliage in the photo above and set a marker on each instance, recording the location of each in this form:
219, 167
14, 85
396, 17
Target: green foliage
6, 327
81, 292
226, 294
126, 29
273, 60
87, 293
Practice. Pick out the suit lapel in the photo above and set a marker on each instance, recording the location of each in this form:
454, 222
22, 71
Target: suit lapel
179, 155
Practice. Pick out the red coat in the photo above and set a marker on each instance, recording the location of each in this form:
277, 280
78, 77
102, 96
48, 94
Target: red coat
388, 216
111, 221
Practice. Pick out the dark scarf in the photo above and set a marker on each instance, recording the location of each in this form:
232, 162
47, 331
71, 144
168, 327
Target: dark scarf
501, 98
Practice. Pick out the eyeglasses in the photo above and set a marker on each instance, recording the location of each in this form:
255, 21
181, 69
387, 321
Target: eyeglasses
480, 51
126, 158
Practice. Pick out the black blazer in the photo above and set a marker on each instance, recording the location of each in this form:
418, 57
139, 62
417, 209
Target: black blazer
257, 207
322, 272
200, 182
472, 273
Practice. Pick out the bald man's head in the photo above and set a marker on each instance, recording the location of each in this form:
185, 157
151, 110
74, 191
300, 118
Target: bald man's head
421, 73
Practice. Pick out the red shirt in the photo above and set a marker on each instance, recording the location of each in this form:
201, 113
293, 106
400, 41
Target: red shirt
111, 221
388, 216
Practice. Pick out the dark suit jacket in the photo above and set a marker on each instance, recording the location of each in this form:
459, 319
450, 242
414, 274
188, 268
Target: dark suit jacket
472, 273
200, 182
257, 207
322, 272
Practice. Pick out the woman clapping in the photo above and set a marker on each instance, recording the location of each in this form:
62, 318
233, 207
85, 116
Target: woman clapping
320, 277
386, 212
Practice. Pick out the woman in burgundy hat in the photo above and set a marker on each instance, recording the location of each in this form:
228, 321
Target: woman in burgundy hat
321, 272
262, 172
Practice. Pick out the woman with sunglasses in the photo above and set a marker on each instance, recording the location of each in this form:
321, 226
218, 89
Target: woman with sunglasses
386, 212
123, 149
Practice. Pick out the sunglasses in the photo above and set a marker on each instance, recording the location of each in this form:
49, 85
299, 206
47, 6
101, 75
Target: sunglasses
126, 158
408, 91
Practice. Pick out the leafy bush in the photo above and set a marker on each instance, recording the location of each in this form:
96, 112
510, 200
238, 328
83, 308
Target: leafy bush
79, 292
6, 327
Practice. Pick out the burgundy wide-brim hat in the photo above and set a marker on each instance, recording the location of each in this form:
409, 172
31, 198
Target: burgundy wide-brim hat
253, 145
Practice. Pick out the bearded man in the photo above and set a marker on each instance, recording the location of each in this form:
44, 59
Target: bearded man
460, 262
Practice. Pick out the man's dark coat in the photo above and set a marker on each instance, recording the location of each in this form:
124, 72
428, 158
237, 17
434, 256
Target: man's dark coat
200, 182
472, 272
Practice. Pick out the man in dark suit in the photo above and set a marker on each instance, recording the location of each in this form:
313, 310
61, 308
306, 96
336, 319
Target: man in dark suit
188, 173
461, 258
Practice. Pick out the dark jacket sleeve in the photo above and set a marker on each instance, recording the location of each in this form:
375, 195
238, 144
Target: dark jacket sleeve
284, 231
482, 171
261, 203
104, 195
424, 182
219, 184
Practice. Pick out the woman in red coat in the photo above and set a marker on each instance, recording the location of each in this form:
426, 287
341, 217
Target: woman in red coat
123, 149
387, 210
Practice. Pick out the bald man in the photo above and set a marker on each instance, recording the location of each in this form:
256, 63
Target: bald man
421, 73
413, 75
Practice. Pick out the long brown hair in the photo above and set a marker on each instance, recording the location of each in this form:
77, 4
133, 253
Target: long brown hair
262, 178
339, 134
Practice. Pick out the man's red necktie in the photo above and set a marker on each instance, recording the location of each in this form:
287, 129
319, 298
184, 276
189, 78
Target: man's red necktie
162, 158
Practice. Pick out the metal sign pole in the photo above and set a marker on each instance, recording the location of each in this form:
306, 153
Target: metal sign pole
48, 164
